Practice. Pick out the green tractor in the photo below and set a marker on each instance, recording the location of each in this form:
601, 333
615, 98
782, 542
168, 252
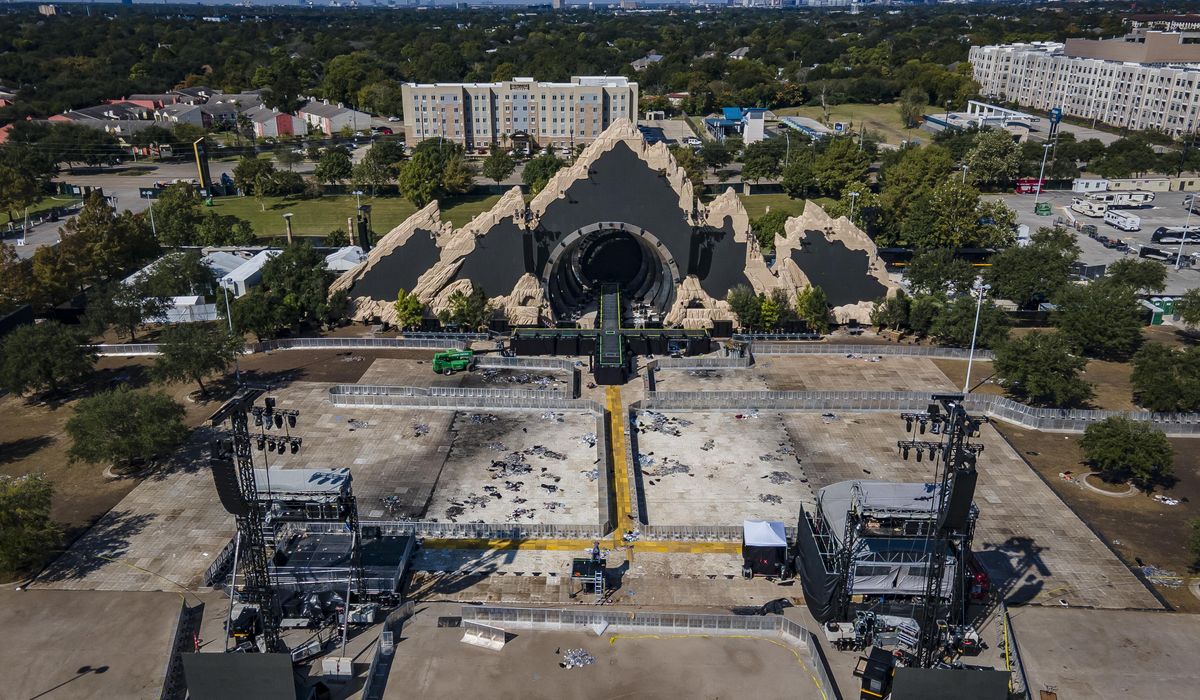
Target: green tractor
452, 361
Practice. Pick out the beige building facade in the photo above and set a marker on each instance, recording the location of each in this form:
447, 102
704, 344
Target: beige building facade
1151, 83
548, 115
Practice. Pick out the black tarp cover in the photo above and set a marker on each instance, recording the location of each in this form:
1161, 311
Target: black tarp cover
822, 590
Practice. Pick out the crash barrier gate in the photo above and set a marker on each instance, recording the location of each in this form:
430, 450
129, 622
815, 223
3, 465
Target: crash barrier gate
1046, 419
768, 348
350, 395
427, 343
551, 364
552, 619
381, 660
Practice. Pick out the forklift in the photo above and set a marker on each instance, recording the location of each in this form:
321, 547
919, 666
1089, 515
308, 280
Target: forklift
452, 361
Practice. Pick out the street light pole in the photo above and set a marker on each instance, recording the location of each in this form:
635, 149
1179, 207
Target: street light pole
965, 168
853, 200
153, 228
1038, 188
1187, 225
981, 290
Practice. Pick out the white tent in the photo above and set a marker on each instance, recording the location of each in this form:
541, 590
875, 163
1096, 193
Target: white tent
763, 533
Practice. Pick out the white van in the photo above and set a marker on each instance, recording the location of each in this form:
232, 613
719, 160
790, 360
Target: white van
1123, 220
1123, 198
1088, 207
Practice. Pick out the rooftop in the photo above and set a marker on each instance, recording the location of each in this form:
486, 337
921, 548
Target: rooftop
91, 644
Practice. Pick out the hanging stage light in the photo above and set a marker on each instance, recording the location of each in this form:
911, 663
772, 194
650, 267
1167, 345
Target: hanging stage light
270, 444
291, 420
905, 450
278, 420
262, 442
295, 445
918, 454
936, 428
933, 450
257, 416
923, 422
907, 424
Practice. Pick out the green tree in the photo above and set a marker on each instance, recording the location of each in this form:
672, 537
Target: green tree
383, 97
194, 351
126, 307
767, 227
1166, 380
43, 357
539, 170
1194, 540
434, 170
1042, 369
409, 310
260, 313
955, 323
251, 175
334, 166
1188, 307
1036, 272
769, 313
1103, 319
180, 273
692, 164
934, 271
715, 154
297, 282
498, 165
470, 311
956, 216
286, 156
1139, 274
370, 174
892, 312
812, 307
27, 534
1122, 449
799, 177
746, 307
924, 312
177, 214
762, 160
123, 426
841, 163
913, 101
995, 157
858, 203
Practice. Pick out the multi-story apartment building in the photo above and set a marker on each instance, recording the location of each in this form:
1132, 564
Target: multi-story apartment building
1147, 80
478, 115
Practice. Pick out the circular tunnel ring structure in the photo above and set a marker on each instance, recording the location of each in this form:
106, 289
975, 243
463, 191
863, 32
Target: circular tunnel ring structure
610, 252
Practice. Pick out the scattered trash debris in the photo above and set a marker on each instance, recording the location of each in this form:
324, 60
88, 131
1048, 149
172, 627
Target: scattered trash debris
576, 658
752, 413
356, 424
779, 478
550, 488
481, 418
498, 376
770, 498
497, 446
592, 474
632, 536
1166, 500
551, 416
554, 506
420, 429
588, 439
669, 466
1161, 577
708, 445
828, 417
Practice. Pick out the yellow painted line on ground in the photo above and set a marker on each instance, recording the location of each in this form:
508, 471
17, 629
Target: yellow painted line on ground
616, 417
624, 498
533, 545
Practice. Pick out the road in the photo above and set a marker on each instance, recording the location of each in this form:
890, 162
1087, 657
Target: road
1167, 211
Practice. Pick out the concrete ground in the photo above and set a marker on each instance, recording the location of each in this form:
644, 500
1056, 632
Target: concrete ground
673, 131
86, 644
432, 662
1167, 211
1108, 653
521, 467
719, 469
813, 373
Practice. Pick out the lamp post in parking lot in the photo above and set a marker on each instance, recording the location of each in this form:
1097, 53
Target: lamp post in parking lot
1187, 227
1038, 188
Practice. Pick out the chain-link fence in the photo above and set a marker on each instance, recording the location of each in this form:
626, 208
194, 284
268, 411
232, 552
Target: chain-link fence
363, 396
771, 348
648, 622
1047, 419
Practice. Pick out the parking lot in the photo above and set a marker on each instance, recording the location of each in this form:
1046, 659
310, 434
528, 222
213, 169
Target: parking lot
1167, 211
674, 132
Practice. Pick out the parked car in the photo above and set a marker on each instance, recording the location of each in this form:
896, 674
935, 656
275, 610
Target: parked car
693, 141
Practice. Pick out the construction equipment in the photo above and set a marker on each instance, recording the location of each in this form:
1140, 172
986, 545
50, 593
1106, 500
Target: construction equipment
452, 361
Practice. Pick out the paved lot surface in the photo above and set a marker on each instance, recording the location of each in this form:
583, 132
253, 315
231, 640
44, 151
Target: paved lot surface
432, 662
719, 469
86, 644
813, 373
1108, 653
1034, 547
1167, 211
673, 131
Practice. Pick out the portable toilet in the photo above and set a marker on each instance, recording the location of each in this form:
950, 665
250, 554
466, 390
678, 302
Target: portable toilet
1156, 312
1167, 304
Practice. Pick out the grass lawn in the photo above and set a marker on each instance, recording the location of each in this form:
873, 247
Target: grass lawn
317, 217
756, 204
42, 205
884, 119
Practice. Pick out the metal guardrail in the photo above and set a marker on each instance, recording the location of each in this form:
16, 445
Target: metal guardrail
351, 395
1046, 419
665, 623
544, 363
769, 348
217, 572
471, 531
698, 533
700, 363
425, 343
756, 337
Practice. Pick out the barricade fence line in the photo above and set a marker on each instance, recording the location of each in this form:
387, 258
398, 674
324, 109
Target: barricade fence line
783, 348
431, 343
700, 363
1047, 419
452, 398
543, 363
663, 623
483, 531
